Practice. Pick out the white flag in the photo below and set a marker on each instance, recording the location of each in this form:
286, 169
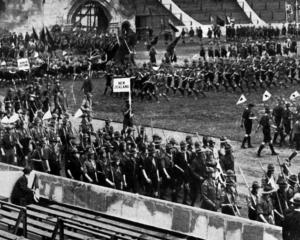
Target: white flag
266, 96
155, 68
47, 115
241, 100
294, 95
5, 120
78, 114
14, 118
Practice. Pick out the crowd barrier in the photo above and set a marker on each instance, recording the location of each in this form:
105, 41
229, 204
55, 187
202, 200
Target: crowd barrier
167, 215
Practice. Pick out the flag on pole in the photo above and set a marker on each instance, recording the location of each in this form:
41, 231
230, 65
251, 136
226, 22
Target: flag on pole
294, 95
78, 114
47, 115
155, 68
14, 118
220, 21
266, 96
172, 26
241, 100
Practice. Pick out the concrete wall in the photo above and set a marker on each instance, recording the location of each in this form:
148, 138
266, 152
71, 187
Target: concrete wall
193, 221
21, 16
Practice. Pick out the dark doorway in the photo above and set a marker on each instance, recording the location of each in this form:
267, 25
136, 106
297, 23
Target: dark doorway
91, 16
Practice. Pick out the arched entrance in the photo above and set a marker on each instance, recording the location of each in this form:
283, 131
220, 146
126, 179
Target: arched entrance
90, 15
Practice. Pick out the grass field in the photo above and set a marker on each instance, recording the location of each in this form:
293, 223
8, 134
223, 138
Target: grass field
216, 115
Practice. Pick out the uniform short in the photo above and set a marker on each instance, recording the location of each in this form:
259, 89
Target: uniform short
267, 135
248, 128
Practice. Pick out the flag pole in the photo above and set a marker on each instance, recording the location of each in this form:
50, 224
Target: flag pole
130, 102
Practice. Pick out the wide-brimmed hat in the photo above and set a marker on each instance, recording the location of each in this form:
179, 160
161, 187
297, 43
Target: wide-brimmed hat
268, 189
296, 200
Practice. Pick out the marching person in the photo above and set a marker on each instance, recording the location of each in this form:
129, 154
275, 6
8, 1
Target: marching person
252, 201
211, 191
265, 124
182, 160
280, 201
265, 210
246, 123
128, 116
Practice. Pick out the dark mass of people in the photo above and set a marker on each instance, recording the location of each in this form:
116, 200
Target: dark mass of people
37, 132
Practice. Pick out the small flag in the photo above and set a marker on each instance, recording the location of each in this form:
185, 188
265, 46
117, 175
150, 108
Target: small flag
171, 24
220, 21
294, 95
266, 96
241, 100
78, 114
47, 115
5, 120
14, 118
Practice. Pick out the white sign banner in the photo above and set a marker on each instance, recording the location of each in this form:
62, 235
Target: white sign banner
23, 64
121, 85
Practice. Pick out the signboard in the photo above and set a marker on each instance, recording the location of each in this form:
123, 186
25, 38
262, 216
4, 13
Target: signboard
23, 64
121, 85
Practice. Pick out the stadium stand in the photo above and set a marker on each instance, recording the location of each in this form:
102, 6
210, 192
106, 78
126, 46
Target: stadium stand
203, 10
52, 220
270, 11
153, 14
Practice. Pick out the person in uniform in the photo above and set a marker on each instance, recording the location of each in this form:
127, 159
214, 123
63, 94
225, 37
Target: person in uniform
277, 113
166, 171
265, 211
181, 172
293, 187
265, 123
269, 178
246, 123
21, 194
252, 201
198, 166
128, 116
229, 199
291, 222
280, 201
287, 123
211, 191
90, 168
73, 166
151, 172
130, 170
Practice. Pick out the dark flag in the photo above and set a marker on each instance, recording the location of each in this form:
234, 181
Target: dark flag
43, 36
154, 41
34, 34
220, 21
172, 26
49, 37
172, 45
112, 48
122, 51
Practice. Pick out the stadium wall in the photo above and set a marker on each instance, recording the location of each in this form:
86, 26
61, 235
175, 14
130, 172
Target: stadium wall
21, 16
167, 215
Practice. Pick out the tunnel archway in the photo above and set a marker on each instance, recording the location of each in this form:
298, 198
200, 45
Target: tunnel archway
90, 15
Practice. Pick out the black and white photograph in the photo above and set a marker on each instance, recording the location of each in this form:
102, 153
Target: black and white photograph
149, 120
